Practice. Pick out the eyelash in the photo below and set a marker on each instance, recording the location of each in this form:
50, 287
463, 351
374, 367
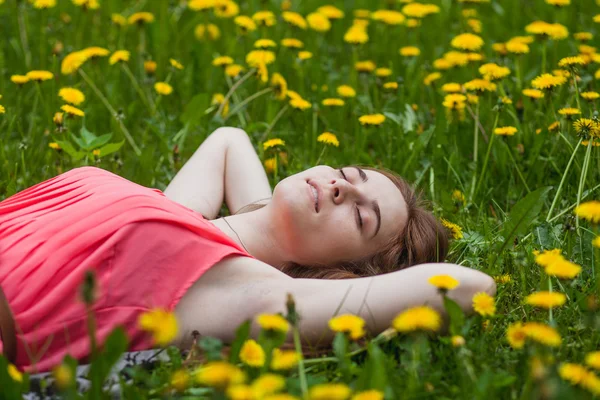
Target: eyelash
357, 210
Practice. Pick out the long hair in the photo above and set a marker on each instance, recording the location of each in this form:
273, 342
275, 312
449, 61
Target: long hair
421, 239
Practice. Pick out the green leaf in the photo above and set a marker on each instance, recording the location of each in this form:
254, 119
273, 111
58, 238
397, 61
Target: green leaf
194, 110
374, 373
68, 148
457, 317
87, 136
212, 346
100, 140
241, 335
110, 148
521, 217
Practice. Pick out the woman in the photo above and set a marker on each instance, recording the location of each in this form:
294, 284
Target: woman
152, 249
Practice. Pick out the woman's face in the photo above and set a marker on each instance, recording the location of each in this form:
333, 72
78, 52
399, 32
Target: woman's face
326, 215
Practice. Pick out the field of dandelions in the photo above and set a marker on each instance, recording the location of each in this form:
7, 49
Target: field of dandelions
488, 107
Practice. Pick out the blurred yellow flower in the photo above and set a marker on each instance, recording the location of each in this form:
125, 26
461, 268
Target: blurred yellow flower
583, 36
346, 91
573, 373
292, 43
300, 104
533, 93
484, 304
267, 384
589, 210
418, 10
279, 85
383, 72
544, 29
505, 131
14, 373
119, 56
219, 374
558, 3
390, 85
72, 110
226, 8
329, 391
274, 322
54, 145
140, 18
333, 102
372, 394
356, 34
430, 78
161, 324
71, 95
233, 70
265, 18
590, 96
493, 71
295, 19
175, 64
19, 79
246, 23
222, 61
270, 164
264, 43
318, 22
361, 13
365, 66
217, 99
516, 335
474, 24
304, 55
467, 41
454, 228
328, 138
252, 353
417, 318
41, 4
546, 299
201, 5
95, 51
208, 31
593, 359
284, 359
2, 109
571, 61
58, 118
596, 242
451, 87
63, 376
409, 51
150, 67
542, 333
389, 17
348, 323
118, 19
256, 57
444, 282
163, 88
262, 72
240, 392
569, 111
372, 119
90, 4
480, 85
517, 47
457, 341
39, 76
180, 380
331, 12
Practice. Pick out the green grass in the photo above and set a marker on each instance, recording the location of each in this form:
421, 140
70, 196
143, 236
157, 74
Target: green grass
501, 224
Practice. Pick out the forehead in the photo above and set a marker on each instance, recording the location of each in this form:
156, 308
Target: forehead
390, 199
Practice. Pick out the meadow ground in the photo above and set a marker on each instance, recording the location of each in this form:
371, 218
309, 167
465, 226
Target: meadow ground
489, 107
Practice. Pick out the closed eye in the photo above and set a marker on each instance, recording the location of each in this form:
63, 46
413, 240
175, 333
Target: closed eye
360, 221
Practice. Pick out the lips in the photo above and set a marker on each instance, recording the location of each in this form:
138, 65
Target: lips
314, 194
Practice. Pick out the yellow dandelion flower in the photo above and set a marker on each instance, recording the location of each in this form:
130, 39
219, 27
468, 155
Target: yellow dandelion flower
409, 51
43, 4
63, 376
19, 79
119, 56
548, 81
90, 4
596, 242
141, 18
454, 101
71, 95
328, 138
454, 229
558, 3
180, 380
502, 278
457, 341
593, 359
480, 85
175, 64
346, 91
544, 29
208, 31
218, 99
150, 67
589, 211
516, 335
267, 384
573, 373
252, 353
590, 96
267, 321
265, 18
201, 5
517, 47
458, 196
505, 131
443, 282
570, 61
161, 323
493, 71
365, 66
14, 373
372, 119
562, 268
542, 334
256, 57
331, 12
383, 72
474, 24
329, 391
273, 322
389, 17
270, 164
163, 88
245, 23
39, 76
292, 43
226, 8
356, 34
372, 394
432, 77
352, 324
284, 359
333, 102
569, 111
585, 126
279, 85
304, 55
219, 374
390, 85
467, 41
2, 109
233, 70
546, 299
222, 61
264, 43
533, 93
499, 48
58, 118
318, 22
417, 318
294, 19
451, 87
72, 110
118, 19
418, 10
484, 304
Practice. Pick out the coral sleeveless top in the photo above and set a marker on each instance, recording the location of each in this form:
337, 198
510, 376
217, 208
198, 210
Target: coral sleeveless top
145, 249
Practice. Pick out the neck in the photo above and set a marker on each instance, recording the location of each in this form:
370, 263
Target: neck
256, 234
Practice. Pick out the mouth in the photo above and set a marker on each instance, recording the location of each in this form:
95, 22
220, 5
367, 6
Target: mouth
314, 192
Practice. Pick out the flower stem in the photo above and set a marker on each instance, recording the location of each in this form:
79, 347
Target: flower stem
301, 371
233, 89
136, 85
246, 101
475, 151
576, 90
562, 181
517, 168
487, 156
111, 110
272, 124
584, 170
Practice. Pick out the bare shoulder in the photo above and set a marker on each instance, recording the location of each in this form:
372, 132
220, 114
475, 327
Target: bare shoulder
235, 289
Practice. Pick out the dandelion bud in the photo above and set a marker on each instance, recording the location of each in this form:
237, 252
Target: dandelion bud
290, 305
88, 288
457, 341
63, 376
58, 119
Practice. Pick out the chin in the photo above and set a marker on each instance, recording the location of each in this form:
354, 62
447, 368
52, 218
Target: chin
291, 208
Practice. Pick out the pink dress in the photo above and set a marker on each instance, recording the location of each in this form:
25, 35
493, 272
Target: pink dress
145, 249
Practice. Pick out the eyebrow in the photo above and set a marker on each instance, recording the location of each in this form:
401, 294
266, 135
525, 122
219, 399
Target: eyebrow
374, 203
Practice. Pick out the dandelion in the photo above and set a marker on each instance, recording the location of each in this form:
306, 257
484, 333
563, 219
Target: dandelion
484, 304
533, 93
318, 22
573, 373
265, 18
542, 334
201, 5
558, 3
222, 61
180, 380
454, 101
451, 87
372, 119
569, 111
333, 102
264, 43
72, 110
94, 52
14, 373
161, 323
304, 55
292, 43
252, 354
593, 359
467, 41
585, 126
270, 164
546, 30
517, 47
256, 57
417, 318
590, 96
596, 242
39, 76
245, 23
119, 56
480, 85
383, 72
294, 19
175, 64
208, 31
2, 109
351, 324
492, 71
63, 376
346, 91
284, 359
219, 374
516, 335
331, 12
372, 394
150, 67
453, 228
589, 211
54, 145
328, 138
365, 66
140, 18
118, 19
329, 391
71, 95
300, 104
505, 131
548, 81
239, 392
44, 4
218, 99
226, 8
502, 278
432, 77
163, 88
19, 79
389, 17
546, 299
72, 62
233, 70
571, 62
267, 384
273, 322
356, 34
458, 196
457, 341
409, 51
443, 282
418, 10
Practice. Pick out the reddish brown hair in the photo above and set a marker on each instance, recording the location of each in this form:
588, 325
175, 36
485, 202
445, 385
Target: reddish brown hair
420, 240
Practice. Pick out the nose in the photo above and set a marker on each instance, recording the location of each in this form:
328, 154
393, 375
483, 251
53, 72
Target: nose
341, 190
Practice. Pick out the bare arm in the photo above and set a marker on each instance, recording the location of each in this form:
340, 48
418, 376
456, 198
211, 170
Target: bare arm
376, 299
225, 167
